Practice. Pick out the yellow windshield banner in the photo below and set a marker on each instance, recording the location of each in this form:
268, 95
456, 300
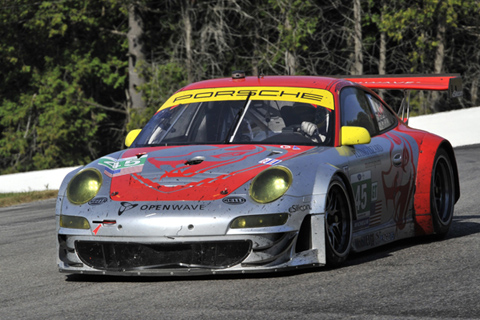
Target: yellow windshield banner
313, 96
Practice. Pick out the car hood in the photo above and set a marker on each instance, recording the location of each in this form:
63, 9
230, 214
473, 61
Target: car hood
192, 173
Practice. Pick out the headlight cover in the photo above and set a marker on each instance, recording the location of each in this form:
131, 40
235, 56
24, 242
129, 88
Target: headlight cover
270, 184
74, 222
84, 186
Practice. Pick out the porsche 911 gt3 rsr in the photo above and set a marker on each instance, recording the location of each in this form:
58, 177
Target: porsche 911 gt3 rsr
258, 174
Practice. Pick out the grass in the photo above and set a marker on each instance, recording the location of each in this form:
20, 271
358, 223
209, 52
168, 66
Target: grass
10, 199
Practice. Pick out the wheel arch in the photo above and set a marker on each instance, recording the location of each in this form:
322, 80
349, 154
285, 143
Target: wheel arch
429, 147
453, 161
349, 188
308, 237
330, 172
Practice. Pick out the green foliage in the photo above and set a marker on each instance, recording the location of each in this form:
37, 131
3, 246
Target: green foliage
161, 82
49, 115
416, 23
296, 24
64, 63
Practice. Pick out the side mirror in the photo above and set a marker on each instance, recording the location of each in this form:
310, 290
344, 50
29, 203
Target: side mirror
131, 136
351, 136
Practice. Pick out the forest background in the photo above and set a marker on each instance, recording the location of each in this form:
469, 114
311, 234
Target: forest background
75, 75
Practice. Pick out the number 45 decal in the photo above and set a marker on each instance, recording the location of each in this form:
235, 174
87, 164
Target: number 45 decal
365, 192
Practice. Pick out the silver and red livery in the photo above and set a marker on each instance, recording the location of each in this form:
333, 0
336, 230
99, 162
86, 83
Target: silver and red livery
260, 174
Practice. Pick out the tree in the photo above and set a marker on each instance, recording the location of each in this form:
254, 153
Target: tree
136, 57
75, 74
357, 67
61, 88
423, 32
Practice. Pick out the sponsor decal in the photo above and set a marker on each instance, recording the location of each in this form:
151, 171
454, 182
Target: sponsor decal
125, 206
306, 95
361, 224
366, 241
234, 200
456, 94
270, 161
382, 237
119, 167
173, 207
97, 201
375, 239
365, 151
296, 208
290, 147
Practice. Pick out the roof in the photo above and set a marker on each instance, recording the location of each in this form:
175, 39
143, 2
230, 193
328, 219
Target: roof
266, 81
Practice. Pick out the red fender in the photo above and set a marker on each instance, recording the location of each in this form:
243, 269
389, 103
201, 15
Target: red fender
428, 145
423, 217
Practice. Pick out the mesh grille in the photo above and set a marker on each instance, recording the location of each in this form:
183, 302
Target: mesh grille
117, 256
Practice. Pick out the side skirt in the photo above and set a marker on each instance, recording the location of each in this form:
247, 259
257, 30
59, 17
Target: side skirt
378, 236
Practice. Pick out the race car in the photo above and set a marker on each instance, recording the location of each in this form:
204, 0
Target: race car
260, 174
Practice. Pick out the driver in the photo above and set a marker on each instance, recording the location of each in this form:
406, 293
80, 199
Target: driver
306, 116
311, 131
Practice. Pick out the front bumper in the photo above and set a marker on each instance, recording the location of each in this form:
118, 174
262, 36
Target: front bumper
148, 256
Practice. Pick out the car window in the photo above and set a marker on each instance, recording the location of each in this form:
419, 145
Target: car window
385, 119
280, 122
355, 110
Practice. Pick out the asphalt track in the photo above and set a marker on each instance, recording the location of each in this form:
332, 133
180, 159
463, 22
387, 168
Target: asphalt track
412, 279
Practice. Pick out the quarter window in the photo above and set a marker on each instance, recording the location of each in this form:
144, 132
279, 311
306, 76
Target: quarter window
385, 118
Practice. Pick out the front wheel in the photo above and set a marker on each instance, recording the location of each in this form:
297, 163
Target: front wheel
338, 223
442, 193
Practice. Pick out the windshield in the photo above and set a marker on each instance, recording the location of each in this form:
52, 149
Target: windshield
240, 122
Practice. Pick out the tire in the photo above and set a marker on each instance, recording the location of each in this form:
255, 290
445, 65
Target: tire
338, 223
442, 193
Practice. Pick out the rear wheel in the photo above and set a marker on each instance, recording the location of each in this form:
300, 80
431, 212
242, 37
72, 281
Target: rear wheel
442, 193
338, 223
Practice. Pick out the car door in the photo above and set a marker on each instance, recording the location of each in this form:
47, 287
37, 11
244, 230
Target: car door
399, 178
376, 170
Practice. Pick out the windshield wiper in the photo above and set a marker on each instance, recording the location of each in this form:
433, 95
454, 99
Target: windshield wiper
238, 120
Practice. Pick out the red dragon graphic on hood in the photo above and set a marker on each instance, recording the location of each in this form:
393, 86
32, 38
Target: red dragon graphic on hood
192, 173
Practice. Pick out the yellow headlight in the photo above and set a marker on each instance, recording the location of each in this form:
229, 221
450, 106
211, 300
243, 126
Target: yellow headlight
260, 221
84, 186
73, 222
270, 184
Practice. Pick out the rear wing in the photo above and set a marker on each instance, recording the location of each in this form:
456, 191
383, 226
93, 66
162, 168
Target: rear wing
438, 82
